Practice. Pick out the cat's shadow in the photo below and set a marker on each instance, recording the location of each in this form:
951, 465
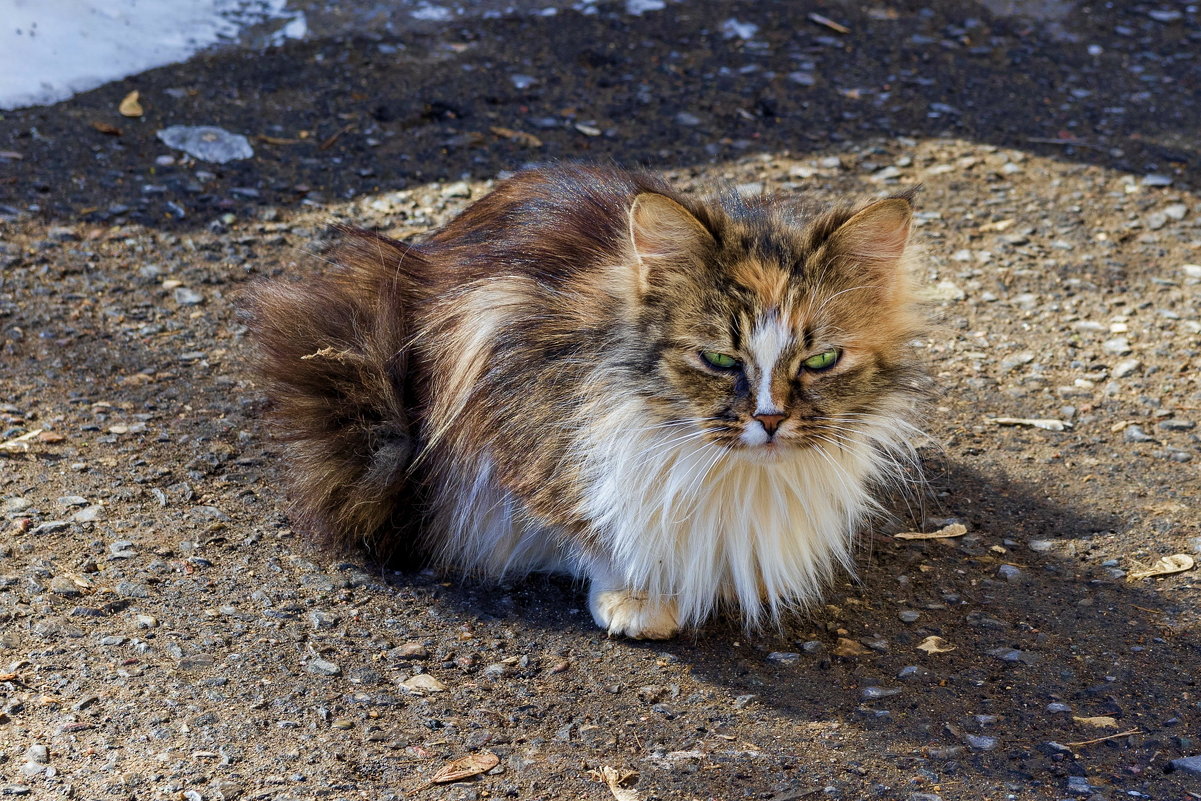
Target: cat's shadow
1023, 619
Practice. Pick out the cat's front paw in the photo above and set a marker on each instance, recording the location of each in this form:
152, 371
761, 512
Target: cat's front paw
632, 614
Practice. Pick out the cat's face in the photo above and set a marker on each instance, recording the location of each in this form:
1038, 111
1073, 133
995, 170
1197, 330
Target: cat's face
772, 335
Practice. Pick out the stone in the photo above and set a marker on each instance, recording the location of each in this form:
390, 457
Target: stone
187, 297
1010, 573
131, 589
1126, 367
1079, 785
322, 667
425, 683
322, 620
410, 650
1189, 764
65, 587
1133, 433
207, 143
1118, 346
89, 514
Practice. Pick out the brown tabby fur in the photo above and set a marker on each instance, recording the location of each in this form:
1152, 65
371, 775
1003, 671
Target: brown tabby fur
450, 397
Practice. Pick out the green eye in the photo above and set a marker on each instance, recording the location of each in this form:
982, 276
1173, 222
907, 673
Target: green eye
822, 361
719, 360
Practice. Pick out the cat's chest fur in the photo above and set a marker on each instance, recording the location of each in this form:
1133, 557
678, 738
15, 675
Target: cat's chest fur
678, 517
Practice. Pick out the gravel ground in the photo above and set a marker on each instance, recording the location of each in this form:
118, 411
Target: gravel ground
166, 635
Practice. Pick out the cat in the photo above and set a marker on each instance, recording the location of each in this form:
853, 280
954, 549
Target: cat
686, 402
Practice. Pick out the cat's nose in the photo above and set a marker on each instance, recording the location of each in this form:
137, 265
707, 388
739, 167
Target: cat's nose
770, 422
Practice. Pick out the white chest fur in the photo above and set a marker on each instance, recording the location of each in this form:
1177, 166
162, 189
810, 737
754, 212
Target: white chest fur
699, 524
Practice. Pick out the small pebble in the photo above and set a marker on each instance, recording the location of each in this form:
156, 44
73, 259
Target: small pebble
424, 682
322, 620
1188, 764
65, 587
980, 742
1118, 346
410, 650
875, 693
1058, 707
1079, 785
783, 657
38, 753
1126, 367
322, 667
130, 589
1134, 433
89, 514
187, 297
909, 616
1010, 573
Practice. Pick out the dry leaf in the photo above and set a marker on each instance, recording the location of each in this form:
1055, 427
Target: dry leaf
614, 779
1046, 424
105, 128
848, 648
424, 682
130, 107
935, 645
1100, 721
1177, 563
953, 530
466, 767
521, 137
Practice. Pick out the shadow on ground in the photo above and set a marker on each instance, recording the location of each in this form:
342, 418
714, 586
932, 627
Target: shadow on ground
333, 119
1054, 675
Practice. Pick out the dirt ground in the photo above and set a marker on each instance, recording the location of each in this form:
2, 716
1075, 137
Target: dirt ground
165, 634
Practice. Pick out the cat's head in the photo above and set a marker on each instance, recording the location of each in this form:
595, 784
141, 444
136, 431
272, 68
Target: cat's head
771, 328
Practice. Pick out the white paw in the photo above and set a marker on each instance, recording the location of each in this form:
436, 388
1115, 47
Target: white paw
632, 614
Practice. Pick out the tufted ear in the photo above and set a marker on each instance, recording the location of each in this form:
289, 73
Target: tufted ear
876, 238
664, 234
877, 233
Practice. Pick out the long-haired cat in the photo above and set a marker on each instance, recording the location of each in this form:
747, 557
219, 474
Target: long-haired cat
686, 402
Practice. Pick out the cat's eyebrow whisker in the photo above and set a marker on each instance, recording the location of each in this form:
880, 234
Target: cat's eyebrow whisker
842, 292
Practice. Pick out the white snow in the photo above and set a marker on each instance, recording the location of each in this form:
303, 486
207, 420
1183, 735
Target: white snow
51, 49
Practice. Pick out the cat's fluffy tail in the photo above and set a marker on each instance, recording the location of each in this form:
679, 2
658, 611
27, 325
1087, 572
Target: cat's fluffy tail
331, 350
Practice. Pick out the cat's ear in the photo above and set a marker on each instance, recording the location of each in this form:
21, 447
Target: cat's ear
876, 236
877, 233
664, 234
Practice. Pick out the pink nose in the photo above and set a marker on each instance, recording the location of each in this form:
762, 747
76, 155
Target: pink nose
770, 422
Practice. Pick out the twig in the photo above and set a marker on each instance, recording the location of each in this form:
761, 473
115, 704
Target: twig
328, 143
20, 443
1103, 739
1050, 140
821, 19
